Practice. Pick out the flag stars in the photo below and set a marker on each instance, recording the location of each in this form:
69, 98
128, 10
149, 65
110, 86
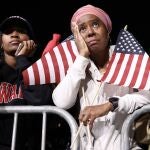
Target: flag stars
127, 43
130, 44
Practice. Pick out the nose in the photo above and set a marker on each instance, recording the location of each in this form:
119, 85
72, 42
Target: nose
90, 31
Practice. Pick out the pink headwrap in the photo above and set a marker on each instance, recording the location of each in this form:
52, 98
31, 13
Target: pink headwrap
89, 9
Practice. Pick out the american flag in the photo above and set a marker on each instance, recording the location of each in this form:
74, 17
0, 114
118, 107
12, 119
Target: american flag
129, 64
51, 67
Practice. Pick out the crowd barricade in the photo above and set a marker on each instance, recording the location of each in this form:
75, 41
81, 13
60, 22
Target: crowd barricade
128, 124
44, 110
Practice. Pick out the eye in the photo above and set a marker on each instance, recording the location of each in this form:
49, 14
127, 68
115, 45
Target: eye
82, 29
95, 24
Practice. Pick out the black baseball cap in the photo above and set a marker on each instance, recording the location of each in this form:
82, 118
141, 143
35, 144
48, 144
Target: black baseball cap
17, 21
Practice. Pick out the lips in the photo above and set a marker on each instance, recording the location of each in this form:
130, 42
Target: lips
92, 42
14, 43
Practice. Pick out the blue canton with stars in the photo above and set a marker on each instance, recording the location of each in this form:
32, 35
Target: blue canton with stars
126, 43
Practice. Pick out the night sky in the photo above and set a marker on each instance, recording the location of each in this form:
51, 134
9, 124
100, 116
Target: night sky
53, 16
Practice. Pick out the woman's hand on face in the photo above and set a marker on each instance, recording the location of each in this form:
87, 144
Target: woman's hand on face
81, 45
90, 113
26, 48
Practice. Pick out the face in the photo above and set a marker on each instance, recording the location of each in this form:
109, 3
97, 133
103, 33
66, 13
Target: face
94, 32
11, 38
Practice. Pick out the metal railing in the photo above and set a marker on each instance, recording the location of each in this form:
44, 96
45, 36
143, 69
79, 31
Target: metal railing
125, 143
43, 110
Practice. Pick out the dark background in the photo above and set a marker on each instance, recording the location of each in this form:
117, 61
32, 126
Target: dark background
53, 16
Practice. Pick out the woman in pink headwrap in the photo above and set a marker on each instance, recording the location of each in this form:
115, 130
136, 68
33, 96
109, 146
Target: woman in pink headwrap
104, 107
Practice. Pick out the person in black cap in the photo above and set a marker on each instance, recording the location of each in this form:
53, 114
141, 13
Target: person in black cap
17, 53
17, 21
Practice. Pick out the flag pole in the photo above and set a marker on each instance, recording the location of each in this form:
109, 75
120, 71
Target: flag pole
125, 28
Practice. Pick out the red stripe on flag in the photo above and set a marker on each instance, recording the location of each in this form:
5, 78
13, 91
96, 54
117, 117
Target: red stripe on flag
136, 72
36, 73
108, 68
55, 64
64, 58
145, 76
117, 69
71, 50
46, 69
126, 71
26, 77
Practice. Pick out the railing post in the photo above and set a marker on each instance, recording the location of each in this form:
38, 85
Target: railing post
125, 143
44, 109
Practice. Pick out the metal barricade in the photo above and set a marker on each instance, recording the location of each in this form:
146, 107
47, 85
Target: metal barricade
125, 144
44, 110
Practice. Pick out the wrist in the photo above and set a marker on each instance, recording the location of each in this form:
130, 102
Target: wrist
114, 102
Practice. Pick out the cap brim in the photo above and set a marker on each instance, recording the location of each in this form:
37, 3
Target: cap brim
13, 22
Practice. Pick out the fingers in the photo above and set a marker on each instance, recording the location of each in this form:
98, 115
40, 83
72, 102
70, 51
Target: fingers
86, 117
19, 49
26, 48
80, 42
75, 30
30, 45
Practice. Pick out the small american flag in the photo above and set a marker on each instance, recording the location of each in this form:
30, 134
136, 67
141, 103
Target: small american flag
52, 67
129, 64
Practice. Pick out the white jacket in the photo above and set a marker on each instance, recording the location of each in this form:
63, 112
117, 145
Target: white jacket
106, 129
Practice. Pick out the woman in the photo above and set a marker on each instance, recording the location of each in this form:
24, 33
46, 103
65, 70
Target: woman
18, 51
108, 105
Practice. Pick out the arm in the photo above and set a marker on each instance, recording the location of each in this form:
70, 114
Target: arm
127, 103
131, 102
64, 95
22, 62
25, 49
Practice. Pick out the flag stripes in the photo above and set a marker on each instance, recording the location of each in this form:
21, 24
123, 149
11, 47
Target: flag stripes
129, 64
53, 66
